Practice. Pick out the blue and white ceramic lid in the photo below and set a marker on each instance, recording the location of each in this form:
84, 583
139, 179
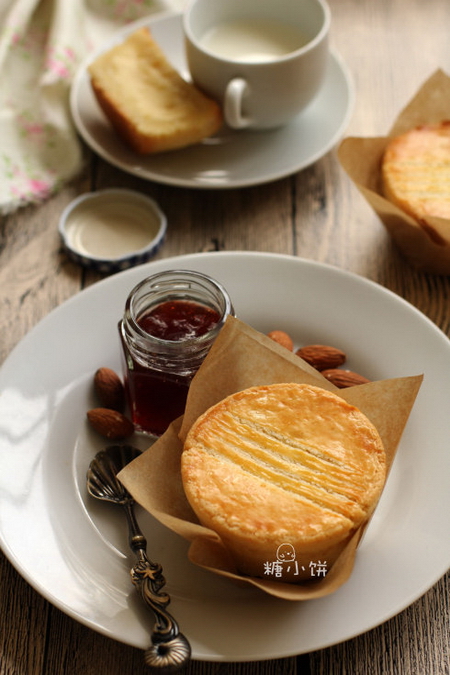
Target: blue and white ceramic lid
111, 230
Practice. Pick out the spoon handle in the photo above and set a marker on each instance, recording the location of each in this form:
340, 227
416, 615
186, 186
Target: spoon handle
170, 650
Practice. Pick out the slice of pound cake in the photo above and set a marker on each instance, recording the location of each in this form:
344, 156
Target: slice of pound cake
151, 107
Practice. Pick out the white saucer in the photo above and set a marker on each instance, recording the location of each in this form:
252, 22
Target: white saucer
231, 158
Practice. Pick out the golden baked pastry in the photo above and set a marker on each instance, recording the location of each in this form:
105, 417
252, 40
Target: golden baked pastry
416, 171
147, 101
285, 474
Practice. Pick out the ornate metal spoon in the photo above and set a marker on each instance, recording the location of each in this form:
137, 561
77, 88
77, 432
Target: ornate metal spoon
170, 650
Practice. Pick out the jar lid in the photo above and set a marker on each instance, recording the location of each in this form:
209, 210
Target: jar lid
111, 230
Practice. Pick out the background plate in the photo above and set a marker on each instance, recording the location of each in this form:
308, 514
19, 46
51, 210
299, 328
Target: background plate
230, 158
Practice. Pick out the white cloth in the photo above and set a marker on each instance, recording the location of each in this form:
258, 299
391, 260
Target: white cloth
42, 43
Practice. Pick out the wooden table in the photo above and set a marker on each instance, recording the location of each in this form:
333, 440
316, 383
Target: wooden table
391, 48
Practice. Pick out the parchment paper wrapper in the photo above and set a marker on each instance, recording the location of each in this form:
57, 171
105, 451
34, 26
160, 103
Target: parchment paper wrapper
240, 358
426, 247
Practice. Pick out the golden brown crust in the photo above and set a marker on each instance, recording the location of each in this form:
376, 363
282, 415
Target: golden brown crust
147, 101
284, 463
416, 171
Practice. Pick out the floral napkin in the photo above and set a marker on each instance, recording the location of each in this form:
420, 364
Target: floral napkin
42, 42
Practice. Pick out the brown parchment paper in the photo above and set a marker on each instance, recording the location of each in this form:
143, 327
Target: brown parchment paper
425, 247
242, 357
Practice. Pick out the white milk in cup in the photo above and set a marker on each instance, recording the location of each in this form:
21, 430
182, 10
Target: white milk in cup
264, 61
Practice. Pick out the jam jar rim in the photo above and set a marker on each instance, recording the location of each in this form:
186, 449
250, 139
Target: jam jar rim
191, 340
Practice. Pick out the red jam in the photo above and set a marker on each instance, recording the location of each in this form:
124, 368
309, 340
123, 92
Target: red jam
178, 320
157, 397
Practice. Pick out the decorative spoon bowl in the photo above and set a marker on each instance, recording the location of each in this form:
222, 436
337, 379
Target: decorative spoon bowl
170, 650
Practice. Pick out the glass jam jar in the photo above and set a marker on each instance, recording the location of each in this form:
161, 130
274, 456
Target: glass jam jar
171, 319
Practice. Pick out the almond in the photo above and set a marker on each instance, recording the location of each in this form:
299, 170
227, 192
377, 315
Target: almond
110, 423
322, 357
344, 378
282, 339
109, 389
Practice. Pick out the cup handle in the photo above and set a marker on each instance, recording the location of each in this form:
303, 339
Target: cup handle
234, 94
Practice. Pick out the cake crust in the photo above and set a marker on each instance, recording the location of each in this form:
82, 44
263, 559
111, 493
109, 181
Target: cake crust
283, 464
416, 171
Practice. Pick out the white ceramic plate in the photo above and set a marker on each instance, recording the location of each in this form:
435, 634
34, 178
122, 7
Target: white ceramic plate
231, 158
73, 550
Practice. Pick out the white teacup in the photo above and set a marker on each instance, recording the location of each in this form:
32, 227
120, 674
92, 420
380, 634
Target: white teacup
264, 61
